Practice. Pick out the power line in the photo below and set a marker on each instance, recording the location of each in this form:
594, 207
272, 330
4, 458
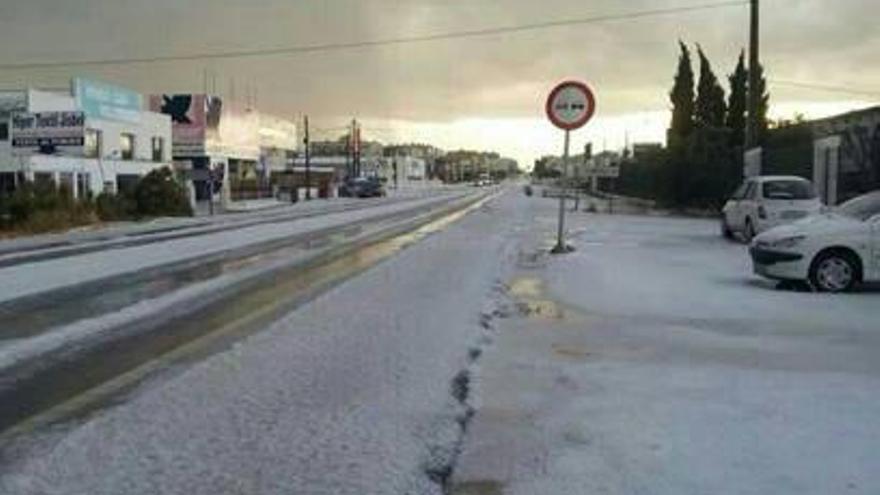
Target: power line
827, 88
292, 50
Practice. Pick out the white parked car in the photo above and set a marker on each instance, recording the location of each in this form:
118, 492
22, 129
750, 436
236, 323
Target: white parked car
762, 203
833, 251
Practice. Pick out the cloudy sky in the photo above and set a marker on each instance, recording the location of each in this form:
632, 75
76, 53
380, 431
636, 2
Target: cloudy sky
484, 92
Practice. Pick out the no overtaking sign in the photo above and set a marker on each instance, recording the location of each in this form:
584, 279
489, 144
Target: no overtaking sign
571, 105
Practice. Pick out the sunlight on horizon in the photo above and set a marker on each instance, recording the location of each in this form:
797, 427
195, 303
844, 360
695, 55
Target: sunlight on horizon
526, 139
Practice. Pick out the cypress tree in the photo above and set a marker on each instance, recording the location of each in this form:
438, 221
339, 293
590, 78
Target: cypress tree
738, 103
710, 108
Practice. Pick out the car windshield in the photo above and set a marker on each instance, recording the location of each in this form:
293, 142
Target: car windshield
788, 189
862, 207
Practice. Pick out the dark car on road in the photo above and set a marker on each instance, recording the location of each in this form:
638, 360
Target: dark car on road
362, 188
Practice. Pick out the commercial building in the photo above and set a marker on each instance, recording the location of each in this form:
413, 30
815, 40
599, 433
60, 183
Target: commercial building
841, 154
94, 138
226, 150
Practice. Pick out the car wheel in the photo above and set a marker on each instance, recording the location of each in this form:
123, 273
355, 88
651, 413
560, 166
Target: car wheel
749, 231
725, 228
834, 271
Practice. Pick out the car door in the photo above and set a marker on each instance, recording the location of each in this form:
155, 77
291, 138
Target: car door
738, 212
731, 209
748, 207
874, 248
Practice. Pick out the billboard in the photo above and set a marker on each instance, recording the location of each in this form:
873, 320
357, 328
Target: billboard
193, 117
47, 129
236, 135
106, 101
203, 125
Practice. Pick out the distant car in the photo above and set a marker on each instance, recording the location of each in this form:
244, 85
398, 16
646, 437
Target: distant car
362, 187
833, 251
762, 203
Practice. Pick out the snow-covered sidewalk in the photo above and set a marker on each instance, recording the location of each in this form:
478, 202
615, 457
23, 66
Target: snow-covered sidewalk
651, 361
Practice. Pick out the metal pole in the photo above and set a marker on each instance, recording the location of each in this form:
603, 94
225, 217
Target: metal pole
754, 80
560, 237
308, 161
211, 180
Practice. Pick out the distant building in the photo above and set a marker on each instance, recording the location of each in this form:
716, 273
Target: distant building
841, 154
95, 138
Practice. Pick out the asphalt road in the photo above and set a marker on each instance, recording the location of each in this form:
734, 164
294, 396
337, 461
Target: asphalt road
245, 289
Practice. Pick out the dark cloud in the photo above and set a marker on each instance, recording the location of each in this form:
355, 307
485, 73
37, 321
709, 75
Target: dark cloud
629, 62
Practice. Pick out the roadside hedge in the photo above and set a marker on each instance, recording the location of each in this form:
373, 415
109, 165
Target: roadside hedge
35, 208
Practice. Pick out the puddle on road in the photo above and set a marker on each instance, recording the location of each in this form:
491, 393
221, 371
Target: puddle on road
38, 314
478, 488
528, 295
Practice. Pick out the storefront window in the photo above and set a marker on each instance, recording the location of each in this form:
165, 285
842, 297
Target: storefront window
126, 146
44, 180
65, 181
158, 149
83, 189
92, 143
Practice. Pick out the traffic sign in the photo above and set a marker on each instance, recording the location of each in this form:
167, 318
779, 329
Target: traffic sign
571, 105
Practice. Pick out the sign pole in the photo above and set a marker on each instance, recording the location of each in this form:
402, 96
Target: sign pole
560, 236
570, 106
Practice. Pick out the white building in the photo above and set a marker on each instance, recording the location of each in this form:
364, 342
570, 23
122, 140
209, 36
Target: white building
93, 139
400, 171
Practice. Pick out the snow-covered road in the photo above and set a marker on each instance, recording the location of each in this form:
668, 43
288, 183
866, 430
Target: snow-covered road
650, 361
350, 394
34, 278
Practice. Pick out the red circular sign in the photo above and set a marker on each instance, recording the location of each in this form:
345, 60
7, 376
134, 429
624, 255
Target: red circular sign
571, 105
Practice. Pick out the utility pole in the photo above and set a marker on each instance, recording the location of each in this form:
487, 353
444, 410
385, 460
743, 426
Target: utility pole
356, 138
753, 124
308, 160
349, 152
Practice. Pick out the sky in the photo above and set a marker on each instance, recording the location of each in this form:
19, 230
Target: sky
481, 92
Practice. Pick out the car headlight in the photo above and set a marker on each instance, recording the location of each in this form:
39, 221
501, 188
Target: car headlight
787, 242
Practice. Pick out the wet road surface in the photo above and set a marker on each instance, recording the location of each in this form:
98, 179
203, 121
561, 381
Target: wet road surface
75, 381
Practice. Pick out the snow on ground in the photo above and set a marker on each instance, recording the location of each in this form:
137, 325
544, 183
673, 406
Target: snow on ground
33, 278
343, 396
242, 215
161, 227
652, 361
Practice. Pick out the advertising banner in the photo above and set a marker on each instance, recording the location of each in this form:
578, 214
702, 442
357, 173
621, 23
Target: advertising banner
48, 129
204, 126
236, 135
189, 121
107, 102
